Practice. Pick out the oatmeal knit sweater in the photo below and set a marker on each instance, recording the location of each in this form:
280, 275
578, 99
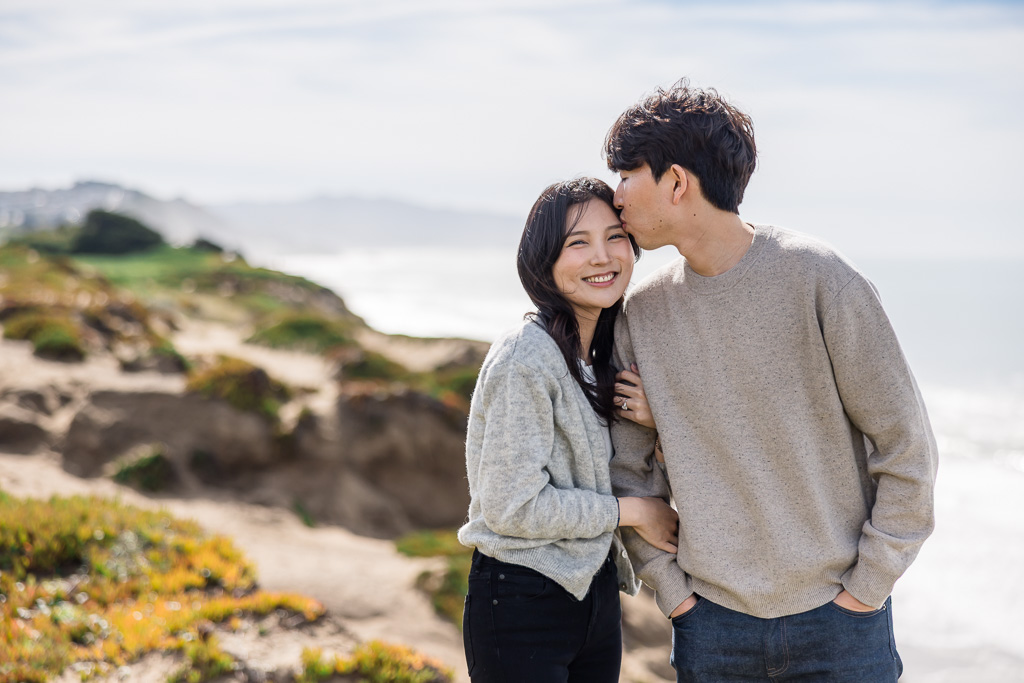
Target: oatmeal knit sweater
796, 442
537, 462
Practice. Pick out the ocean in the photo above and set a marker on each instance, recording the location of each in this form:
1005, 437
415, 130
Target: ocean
961, 324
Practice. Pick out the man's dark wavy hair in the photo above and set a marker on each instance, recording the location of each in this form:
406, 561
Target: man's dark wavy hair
540, 246
693, 127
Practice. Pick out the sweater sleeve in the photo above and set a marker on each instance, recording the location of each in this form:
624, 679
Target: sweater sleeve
516, 495
882, 400
634, 474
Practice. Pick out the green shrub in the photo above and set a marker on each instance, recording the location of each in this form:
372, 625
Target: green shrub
204, 662
300, 510
373, 366
431, 543
305, 332
242, 384
53, 336
152, 472
203, 244
163, 348
374, 662
112, 233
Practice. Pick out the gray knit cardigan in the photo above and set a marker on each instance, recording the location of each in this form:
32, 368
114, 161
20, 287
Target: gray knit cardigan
540, 491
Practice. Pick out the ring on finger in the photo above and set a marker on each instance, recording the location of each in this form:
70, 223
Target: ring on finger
624, 404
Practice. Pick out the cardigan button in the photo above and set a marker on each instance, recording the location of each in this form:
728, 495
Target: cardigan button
494, 602
501, 577
624, 554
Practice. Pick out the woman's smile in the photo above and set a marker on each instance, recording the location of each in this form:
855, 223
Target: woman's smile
602, 280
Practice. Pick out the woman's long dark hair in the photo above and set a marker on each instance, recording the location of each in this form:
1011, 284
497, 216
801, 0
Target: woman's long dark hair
539, 248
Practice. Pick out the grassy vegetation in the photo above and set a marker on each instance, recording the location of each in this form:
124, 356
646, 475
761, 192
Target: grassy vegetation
184, 275
97, 584
58, 241
449, 595
241, 384
205, 661
58, 305
305, 332
149, 472
53, 335
453, 387
374, 662
372, 366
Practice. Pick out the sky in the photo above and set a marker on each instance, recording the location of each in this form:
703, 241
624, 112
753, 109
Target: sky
893, 129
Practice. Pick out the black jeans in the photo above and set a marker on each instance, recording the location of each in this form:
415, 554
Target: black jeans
519, 626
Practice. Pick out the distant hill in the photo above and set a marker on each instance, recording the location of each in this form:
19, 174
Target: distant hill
38, 209
313, 225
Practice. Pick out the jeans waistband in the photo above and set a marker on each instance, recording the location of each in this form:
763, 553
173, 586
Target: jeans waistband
479, 559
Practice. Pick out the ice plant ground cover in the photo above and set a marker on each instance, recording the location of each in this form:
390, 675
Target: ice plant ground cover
95, 584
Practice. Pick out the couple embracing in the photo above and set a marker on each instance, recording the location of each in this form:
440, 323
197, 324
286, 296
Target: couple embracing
755, 383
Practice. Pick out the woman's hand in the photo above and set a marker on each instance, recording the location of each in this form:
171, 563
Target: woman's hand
652, 518
631, 399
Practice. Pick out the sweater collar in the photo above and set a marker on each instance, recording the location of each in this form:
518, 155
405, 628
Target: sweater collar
730, 278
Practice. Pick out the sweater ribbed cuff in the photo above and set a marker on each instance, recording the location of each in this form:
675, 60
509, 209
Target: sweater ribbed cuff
868, 585
671, 584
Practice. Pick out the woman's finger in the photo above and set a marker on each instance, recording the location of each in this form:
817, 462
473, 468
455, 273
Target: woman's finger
631, 377
626, 390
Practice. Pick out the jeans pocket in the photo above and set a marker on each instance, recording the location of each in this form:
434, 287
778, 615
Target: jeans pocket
520, 587
854, 613
679, 618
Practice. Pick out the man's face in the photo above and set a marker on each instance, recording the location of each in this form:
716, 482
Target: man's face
642, 202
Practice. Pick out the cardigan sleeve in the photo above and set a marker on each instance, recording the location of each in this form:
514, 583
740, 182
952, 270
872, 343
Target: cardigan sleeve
882, 399
516, 495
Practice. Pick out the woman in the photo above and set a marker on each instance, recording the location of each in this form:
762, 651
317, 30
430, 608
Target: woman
543, 600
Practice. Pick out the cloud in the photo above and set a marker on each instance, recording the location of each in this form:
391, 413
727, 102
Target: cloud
861, 108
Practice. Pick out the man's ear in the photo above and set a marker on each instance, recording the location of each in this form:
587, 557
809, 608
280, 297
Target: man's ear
680, 181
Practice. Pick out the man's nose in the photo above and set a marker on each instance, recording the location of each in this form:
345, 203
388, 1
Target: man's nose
617, 199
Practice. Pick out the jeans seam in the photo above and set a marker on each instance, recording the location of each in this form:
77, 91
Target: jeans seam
892, 639
785, 651
467, 631
494, 624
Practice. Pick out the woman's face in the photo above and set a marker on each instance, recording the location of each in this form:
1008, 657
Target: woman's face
596, 260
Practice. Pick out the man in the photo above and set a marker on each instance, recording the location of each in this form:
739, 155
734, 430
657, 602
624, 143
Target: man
795, 440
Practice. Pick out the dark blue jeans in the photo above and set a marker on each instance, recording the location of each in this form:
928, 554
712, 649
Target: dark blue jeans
519, 626
711, 643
